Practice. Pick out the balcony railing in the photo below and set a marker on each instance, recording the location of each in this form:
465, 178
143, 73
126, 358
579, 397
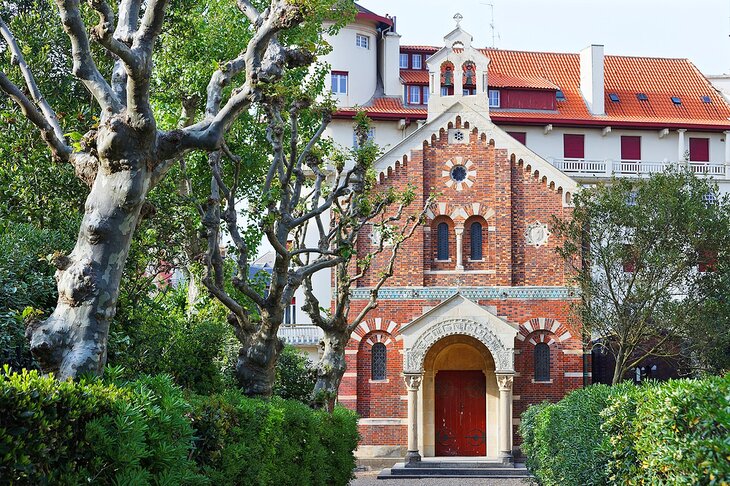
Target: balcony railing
633, 168
301, 335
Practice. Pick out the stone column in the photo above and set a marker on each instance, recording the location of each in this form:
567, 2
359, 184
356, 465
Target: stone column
681, 146
504, 381
413, 383
459, 230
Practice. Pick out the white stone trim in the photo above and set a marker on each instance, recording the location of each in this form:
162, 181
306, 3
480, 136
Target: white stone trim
383, 421
350, 374
578, 352
346, 397
576, 374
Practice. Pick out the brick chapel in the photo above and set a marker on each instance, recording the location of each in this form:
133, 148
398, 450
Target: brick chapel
474, 326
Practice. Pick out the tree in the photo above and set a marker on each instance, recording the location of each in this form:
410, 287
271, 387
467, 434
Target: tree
387, 214
123, 152
639, 249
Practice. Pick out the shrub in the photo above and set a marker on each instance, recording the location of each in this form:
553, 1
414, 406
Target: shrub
70, 433
674, 432
295, 375
281, 442
563, 441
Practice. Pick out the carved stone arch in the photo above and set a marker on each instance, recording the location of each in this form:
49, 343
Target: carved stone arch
375, 324
543, 324
415, 356
377, 337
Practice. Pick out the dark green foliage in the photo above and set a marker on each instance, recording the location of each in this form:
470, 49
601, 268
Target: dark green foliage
146, 432
27, 286
281, 442
295, 376
670, 433
66, 433
156, 333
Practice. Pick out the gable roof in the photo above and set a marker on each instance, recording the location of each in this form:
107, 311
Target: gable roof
659, 78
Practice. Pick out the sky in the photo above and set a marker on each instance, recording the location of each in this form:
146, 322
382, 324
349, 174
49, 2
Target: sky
695, 29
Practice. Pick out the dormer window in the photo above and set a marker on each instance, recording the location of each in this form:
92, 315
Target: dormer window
403, 61
559, 95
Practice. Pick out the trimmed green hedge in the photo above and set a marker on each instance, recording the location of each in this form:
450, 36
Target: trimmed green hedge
147, 432
676, 432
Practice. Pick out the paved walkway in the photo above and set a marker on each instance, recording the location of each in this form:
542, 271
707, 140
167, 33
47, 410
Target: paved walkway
369, 478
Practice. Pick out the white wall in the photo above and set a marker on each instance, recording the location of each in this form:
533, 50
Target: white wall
722, 83
360, 63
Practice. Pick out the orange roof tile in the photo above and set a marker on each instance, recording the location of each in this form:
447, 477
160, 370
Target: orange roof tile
658, 78
415, 76
386, 108
626, 76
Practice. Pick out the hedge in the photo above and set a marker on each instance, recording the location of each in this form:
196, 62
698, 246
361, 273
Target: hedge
676, 432
148, 432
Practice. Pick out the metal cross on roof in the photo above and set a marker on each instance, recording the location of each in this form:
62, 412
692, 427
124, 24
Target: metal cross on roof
458, 18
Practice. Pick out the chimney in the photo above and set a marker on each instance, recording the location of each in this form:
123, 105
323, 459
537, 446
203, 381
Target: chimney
389, 63
591, 78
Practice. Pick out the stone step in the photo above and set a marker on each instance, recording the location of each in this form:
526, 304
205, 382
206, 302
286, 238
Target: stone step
456, 465
455, 470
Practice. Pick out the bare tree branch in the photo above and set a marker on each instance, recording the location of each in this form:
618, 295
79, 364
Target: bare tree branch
84, 66
35, 93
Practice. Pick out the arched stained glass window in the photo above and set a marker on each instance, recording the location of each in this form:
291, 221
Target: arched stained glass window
476, 241
442, 240
542, 362
379, 362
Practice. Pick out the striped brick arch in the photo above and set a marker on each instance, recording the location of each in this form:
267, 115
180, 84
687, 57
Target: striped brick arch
455, 211
552, 326
387, 328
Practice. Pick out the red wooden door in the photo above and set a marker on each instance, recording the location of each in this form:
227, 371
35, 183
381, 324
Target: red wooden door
461, 413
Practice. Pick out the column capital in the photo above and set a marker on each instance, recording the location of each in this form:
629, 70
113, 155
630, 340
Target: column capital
459, 229
681, 130
413, 380
505, 381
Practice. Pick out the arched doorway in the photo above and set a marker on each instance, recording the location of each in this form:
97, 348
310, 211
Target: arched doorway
460, 399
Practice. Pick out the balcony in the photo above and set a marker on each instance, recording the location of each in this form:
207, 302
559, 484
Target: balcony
595, 168
300, 335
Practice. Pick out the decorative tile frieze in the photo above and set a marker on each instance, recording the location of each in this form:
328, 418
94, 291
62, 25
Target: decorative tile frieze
472, 293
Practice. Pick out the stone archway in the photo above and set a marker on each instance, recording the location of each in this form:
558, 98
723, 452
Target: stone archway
502, 354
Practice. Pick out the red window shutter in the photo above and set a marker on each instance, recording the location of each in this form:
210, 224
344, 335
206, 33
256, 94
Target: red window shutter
708, 261
519, 136
630, 148
573, 146
699, 149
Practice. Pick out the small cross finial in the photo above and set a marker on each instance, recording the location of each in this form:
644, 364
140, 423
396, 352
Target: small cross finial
458, 18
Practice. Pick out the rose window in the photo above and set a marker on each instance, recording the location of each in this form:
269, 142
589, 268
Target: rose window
458, 173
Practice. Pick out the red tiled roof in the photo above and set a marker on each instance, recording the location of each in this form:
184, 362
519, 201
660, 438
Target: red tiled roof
414, 76
499, 80
626, 76
658, 78
430, 49
386, 108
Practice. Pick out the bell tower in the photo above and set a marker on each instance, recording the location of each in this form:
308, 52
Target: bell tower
457, 73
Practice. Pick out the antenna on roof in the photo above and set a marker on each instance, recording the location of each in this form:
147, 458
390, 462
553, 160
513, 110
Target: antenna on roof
492, 27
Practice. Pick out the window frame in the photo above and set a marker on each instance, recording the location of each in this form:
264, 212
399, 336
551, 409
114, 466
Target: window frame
541, 363
340, 76
442, 242
371, 137
358, 41
574, 137
419, 64
498, 100
404, 56
382, 366
472, 242
417, 90
630, 143
290, 313
426, 94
